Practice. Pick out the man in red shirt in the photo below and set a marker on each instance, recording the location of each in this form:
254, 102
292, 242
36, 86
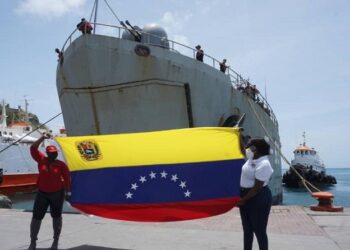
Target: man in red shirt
84, 26
53, 183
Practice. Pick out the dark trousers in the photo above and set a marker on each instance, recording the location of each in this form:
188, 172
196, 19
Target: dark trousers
255, 215
45, 199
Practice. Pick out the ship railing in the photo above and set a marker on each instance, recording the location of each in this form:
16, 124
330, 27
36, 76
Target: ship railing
237, 81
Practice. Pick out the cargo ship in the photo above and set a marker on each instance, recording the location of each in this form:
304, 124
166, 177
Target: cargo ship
138, 81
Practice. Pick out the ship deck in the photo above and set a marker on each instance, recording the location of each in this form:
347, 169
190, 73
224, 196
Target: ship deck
290, 227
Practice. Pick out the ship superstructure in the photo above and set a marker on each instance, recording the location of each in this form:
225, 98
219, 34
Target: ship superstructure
308, 157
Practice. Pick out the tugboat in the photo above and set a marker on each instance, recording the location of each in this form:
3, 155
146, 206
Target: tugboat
308, 164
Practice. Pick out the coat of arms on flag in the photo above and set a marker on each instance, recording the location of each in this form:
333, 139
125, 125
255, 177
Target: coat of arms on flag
171, 175
88, 150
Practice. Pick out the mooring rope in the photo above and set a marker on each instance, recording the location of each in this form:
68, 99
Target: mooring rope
92, 12
303, 180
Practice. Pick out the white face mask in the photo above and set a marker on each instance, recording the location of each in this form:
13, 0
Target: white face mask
249, 154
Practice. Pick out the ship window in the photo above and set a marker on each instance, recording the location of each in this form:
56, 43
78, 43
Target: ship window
27, 129
0, 133
10, 133
5, 133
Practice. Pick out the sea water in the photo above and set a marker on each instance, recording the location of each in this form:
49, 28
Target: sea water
341, 190
291, 196
25, 202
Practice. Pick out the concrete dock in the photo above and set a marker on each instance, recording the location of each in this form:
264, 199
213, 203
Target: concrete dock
290, 228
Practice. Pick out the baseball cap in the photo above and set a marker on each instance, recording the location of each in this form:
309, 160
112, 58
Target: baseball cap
51, 149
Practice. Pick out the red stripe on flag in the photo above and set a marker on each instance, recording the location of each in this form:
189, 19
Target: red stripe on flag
160, 212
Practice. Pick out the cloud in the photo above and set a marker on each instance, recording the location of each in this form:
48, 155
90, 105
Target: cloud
182, 40
49, 8
204, 7
174, 23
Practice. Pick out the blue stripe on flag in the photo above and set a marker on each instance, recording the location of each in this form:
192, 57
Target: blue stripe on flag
157, 184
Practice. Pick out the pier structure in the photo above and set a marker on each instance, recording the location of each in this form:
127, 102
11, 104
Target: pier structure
289, 228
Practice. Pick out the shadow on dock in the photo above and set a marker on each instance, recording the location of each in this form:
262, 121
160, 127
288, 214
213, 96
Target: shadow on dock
87, 247
90, 247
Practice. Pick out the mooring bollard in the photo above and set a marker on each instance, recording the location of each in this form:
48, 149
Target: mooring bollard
325, 200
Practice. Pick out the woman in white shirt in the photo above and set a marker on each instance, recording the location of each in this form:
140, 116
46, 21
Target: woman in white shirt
256, 199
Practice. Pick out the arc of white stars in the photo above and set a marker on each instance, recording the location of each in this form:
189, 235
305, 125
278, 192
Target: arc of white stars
129, 195
134, 186
152, 175
174, 178
142, 179
163, 174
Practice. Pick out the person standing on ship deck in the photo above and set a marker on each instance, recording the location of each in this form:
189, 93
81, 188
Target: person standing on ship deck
223, 66
60, 55
53, 184
199, 53
84, 26
256, 199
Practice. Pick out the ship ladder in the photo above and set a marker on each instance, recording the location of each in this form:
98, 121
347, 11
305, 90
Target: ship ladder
325, 199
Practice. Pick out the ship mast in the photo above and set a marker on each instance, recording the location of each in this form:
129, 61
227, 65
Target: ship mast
3, 115
95, 17
26, 103
304, 143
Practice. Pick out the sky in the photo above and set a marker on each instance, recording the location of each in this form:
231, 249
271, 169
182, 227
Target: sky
296, 50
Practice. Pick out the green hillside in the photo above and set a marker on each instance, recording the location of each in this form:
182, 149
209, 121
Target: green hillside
17, 115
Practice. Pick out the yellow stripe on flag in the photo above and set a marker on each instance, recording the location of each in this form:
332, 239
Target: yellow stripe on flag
153, 148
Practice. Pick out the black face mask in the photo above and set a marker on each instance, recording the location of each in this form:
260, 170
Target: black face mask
52, 155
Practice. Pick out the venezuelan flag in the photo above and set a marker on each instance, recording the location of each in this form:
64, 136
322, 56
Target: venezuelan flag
168, 175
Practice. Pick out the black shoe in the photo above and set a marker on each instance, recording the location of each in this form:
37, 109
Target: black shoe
32, 245
54, 245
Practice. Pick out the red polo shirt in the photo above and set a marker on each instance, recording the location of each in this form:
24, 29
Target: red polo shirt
52, 177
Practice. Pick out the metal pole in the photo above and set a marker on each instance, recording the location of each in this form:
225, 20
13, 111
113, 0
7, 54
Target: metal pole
26, 109
95, 18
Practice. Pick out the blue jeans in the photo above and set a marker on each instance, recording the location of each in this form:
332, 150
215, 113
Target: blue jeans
255, 215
